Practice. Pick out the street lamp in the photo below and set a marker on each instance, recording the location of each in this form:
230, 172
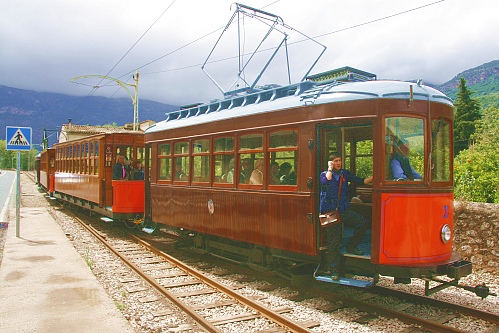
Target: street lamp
135, 98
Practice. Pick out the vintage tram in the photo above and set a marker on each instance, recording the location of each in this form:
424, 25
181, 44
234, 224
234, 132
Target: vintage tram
201, 158
80, 172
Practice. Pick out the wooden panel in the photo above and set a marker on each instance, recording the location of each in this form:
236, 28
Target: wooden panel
276, 220
85, 187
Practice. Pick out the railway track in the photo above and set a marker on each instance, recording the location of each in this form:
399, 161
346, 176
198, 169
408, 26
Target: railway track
375, 302
169, 277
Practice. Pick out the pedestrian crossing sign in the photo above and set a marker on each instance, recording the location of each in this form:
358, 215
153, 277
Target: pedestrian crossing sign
18, 138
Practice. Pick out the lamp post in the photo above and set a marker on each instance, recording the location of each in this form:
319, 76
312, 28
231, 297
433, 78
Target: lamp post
135, 97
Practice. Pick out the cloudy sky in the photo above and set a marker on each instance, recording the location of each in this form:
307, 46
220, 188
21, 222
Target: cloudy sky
44, 44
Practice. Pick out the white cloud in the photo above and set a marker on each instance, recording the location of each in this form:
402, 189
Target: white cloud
46, 43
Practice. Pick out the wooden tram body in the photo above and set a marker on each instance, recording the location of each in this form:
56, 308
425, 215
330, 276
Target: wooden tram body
301, 124
82, 173
45, 169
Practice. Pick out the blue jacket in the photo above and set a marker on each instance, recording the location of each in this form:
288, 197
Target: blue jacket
329, 190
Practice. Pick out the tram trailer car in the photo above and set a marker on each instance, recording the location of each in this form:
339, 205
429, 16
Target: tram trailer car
81, 172
45, 169
197, 187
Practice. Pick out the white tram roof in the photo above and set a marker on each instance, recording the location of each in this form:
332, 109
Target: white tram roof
301, 94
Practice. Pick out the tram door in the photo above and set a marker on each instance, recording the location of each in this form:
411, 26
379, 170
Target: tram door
355, 145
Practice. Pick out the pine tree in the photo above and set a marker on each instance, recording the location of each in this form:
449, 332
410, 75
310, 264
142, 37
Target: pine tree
466, 117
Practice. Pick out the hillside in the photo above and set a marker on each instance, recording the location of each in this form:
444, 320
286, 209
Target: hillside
26, 108
482, 80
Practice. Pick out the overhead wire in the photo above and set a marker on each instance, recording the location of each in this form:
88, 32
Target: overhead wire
273, 48
94, 87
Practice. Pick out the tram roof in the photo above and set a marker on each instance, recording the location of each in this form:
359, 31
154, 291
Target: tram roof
296, 95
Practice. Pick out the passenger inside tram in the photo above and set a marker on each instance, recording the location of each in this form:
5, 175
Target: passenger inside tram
402, 169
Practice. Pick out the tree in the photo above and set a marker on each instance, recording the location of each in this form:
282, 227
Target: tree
8, 158
467, 115
476, 169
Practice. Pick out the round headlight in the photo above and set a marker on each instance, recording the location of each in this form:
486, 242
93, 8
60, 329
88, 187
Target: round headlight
445, 233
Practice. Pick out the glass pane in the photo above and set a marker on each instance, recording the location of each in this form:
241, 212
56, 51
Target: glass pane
288, 138
182, 148
96, 166
252, 168
201, 146
224, 144
181, 168
141, 154
96, 148
165, 168
251, 142
224, 169
283, 167
441, 150
201, 169
404, 146
165, 150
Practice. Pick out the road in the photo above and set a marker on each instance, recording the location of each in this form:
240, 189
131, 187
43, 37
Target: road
7, 193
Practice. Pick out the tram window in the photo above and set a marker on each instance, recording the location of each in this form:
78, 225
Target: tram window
201, 161
251, 157
96, 160
404, 148
252, 168
283, 157
164, 162
359, 157
181, 172
181, 162
141, 154
224, 160
440, 157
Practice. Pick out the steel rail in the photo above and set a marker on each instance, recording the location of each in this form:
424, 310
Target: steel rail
406, 318
290, 325
205, 324
465, 310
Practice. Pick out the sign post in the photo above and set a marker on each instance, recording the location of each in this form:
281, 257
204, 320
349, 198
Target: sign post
18, 138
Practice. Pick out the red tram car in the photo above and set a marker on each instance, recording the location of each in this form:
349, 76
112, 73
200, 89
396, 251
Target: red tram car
81, 172
197, 181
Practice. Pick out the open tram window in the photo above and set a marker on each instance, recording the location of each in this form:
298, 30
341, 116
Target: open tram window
181, 162
164, 162
96, 167
251, 159
224, 160
283, 157
404, 149
440, 153
201, 161
127, 153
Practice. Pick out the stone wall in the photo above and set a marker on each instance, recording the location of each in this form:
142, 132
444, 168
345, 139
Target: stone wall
476, 234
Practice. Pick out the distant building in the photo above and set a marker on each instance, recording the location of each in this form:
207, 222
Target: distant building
71, 131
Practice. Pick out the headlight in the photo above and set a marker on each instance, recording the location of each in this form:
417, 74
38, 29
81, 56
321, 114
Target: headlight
445, 233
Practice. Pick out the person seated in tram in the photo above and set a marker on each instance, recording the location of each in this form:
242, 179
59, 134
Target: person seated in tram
229, 177
286, 177
274, 173
137, 172
400, 165
179, 174
257, 174
120, 170
246, 170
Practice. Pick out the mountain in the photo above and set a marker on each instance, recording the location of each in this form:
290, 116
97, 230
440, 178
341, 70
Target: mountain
482, 80
26, 108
